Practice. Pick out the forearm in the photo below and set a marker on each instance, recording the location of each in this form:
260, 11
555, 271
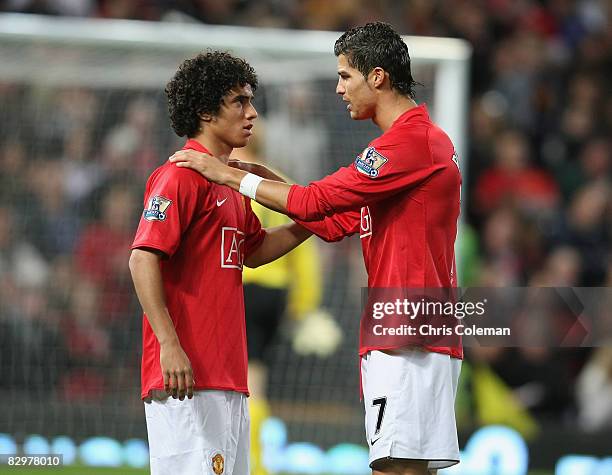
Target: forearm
271, 194
147, 278
278, 242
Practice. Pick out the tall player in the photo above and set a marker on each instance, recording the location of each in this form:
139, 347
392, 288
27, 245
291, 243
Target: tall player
192, 241
402, 196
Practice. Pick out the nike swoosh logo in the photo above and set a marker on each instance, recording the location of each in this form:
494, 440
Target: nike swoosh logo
372, 442
219, 203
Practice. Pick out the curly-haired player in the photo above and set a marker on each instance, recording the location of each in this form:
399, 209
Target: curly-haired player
192, 241
401, 194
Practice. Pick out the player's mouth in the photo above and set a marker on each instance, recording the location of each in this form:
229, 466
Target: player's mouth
247, 129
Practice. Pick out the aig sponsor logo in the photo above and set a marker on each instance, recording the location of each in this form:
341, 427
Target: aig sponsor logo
232, 248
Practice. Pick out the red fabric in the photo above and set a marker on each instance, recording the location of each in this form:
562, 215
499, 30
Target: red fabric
206, 232
87, 344
100, 253
100, 256
406, 215
531, 187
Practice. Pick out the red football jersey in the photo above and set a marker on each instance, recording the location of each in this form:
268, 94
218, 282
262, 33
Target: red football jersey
206, 230
402, 194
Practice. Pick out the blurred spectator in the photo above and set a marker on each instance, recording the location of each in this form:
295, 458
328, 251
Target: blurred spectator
512, 179
585, 230
103, 250
52, 220
88, 344
320, 14
562, 269
81, 174
295, 112
503, 266
594, 392
20, 262
53, 7
516, 66
131, 146
58, 115
592, 164
33, 349
13, 188
62, 278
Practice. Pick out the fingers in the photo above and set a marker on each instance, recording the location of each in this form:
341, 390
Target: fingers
181, 160
189, 383
172, 384
178, 157
177, 372
181, 384
167, 382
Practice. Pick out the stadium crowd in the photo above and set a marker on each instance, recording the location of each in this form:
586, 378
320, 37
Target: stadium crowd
72, 169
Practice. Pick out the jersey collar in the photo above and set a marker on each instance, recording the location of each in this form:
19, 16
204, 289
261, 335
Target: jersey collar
195, 145
418, 111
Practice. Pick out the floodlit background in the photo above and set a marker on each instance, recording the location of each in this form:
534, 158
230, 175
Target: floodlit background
82, 125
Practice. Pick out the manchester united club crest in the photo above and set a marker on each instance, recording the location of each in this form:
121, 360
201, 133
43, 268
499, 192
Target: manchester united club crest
218, 464
157, 209
370, 162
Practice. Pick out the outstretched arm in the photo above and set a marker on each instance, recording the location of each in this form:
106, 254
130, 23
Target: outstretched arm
271, 194
373, 177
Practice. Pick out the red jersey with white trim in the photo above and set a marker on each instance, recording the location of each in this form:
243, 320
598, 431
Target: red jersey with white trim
206, 231
402, 194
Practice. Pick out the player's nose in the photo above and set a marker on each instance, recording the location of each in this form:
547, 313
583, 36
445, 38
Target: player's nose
340, 89
251, 112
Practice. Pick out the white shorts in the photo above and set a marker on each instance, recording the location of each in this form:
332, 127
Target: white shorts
208, 434
409, 398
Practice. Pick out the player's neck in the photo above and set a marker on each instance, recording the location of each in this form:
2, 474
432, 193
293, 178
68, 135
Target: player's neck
217, 148
390, 108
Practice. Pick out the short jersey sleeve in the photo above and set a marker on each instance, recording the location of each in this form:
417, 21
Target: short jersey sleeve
170, 203
254, 233
386, 167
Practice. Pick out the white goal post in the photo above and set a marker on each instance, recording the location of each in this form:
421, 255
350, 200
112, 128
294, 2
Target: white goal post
276, 54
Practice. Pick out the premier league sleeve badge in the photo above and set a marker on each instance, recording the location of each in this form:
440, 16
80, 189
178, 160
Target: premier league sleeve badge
370, 162
156, 210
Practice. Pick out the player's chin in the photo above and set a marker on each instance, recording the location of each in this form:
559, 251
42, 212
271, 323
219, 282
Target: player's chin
355, 115
241, 142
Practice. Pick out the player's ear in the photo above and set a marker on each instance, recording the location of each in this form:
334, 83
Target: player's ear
206, 117
377, 77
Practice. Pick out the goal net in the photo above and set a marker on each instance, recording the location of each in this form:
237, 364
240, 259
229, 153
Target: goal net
83, 122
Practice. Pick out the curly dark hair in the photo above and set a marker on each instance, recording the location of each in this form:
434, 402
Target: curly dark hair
378, 45
199, 85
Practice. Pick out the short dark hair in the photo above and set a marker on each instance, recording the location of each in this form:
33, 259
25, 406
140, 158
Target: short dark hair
199, 85
378, 45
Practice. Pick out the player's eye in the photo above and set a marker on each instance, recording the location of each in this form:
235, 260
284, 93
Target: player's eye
242, 100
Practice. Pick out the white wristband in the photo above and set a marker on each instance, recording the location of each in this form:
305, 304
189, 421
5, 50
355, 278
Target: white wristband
249, 184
